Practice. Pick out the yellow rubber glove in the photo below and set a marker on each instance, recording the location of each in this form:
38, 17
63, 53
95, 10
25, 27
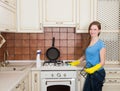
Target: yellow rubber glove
75, 63
93, 69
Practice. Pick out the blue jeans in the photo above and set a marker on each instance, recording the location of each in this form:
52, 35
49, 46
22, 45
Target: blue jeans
94, 82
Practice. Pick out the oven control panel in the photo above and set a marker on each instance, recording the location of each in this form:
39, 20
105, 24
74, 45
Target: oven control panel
58, 74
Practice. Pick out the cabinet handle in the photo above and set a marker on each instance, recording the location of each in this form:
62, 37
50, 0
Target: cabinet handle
18, 86
6, 1
35, 78
112, 72
78, 27
59, 22
78, 79
23, 84
112, 81
40, 26
6, 29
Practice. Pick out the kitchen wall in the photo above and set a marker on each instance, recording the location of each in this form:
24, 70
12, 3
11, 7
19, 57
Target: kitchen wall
23, 46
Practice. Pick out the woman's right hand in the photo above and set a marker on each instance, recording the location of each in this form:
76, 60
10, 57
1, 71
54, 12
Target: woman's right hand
75, 63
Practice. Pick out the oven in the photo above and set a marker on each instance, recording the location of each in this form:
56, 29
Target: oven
58, 80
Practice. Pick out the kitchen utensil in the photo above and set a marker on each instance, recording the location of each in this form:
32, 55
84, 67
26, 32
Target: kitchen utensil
53, 53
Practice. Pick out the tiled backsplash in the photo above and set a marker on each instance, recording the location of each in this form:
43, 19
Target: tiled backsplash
23, 46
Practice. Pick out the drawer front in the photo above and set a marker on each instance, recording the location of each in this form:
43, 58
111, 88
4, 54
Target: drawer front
112, 81
112, 74
111, 84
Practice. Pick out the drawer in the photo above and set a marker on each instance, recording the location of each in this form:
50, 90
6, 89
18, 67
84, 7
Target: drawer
112, 81
112, 74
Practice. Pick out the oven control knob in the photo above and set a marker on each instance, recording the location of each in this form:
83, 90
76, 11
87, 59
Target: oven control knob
58, 75
52, 75
64, 75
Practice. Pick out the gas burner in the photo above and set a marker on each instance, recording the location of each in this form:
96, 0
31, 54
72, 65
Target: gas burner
53, 63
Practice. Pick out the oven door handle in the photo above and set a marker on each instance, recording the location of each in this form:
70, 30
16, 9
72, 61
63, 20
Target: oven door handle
59, 81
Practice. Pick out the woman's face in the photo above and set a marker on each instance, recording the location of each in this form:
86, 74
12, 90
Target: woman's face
94, 31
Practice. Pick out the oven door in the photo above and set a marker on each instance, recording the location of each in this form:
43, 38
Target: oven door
58, 85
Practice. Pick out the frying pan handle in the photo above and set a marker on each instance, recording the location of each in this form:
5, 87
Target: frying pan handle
53, 41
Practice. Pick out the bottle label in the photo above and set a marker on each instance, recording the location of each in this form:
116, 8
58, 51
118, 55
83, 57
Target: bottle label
38, 52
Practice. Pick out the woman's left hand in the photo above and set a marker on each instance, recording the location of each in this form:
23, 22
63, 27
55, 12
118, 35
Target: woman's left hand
93, 69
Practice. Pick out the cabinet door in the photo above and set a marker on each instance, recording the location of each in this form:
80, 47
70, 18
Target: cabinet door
35, 80
17, 87
112, 81
25, 84
7, 19
85, 15
108, 13
11, 3
29, 16
59, 13
112, 84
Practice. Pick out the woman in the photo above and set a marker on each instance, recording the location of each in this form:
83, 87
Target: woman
95, 59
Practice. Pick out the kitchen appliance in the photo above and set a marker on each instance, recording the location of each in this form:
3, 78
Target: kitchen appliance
59, 80
58, 76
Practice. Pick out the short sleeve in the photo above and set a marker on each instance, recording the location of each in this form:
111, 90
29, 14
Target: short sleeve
102, 44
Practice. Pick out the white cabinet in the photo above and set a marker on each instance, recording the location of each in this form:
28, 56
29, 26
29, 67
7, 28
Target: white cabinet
85, 14
23, 85
112, 82
59, 13
7, 18
108, 13
11, 3
104, 11
80, 82
29, 16
35, 80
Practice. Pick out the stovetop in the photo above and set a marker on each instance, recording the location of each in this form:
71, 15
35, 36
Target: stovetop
59, 66
56, 63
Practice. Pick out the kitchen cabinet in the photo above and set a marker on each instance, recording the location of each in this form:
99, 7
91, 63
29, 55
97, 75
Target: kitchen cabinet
7, 18
80, 81
23, 85
85, 14
29, 16
104, 11
11, 3
108, 13
59, 13
112, 82
36, 80
112, 79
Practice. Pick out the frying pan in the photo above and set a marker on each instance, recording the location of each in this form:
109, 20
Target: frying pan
53, 53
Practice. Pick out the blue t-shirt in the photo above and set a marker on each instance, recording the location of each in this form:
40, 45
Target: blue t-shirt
92, 53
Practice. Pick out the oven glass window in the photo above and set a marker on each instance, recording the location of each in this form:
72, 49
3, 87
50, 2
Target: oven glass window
58, 88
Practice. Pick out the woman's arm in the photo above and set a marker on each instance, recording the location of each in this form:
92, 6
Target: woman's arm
102, 56
82, 58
